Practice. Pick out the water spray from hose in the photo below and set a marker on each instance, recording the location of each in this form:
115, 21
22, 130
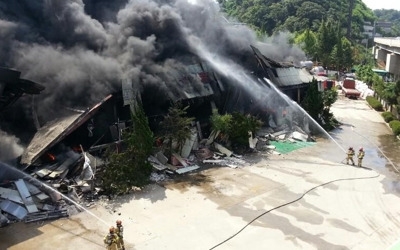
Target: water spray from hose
295, 105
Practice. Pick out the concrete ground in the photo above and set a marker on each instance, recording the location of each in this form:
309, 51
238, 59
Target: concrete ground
303, 200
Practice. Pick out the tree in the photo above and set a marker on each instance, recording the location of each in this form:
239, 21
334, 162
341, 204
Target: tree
308, 43
342, 54
349, 20
347, 53
313, 102
271, 16
365, 73
130, 168
388, 93
317, 104
337, 55
326, 40
176, 127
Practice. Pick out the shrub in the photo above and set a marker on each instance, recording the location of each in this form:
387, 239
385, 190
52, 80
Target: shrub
388, 116
395, 125
130, 168
236, 126
374, 103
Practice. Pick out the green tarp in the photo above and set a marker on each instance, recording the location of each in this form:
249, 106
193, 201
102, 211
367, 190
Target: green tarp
285, 147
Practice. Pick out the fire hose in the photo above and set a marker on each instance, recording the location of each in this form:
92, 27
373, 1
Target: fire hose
293, 201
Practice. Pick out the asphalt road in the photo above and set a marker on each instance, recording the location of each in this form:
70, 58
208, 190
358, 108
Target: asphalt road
306, 199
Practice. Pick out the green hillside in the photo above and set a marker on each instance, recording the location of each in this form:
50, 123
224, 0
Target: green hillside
271, 16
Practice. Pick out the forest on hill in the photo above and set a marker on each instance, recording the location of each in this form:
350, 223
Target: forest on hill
328, 31
272, 16
392, 16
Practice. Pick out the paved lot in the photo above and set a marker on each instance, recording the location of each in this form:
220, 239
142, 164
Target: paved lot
224, 208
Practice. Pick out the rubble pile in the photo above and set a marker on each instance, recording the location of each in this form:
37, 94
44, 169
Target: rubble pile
29, 201
44, 192
65, 179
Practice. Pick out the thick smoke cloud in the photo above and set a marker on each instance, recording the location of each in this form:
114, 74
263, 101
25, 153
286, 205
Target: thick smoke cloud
80, 50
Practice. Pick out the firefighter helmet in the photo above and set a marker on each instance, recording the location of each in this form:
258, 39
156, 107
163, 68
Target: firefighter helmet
361, 149
119, 222
112, 229
350, 148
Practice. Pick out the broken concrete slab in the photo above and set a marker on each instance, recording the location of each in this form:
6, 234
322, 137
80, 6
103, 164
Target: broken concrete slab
156, 163
214, 161
279, 133
180, 159
161, 157
158, 167
189, 143
281, 137
222, 149
299, 136
214, 134
186, 169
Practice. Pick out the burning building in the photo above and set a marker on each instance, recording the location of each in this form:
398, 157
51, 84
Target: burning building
95, 58
153, 48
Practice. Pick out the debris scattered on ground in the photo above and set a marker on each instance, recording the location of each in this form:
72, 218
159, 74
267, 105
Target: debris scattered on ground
67, 179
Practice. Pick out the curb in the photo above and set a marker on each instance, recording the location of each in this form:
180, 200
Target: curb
387, 124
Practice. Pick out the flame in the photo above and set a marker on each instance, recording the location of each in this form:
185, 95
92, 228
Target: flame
51, 156
77, 149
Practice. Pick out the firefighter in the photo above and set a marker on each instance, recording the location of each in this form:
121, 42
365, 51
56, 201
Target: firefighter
119, 230
111, 240
350, 154
360, 156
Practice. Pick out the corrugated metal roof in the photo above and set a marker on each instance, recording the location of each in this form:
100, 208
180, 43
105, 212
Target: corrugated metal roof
191, 83
284, 77
10, 207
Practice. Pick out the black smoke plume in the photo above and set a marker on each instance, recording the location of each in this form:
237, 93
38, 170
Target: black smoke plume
80, 50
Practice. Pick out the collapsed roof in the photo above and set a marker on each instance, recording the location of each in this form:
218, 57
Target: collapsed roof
284, 76
12, 87
52, 133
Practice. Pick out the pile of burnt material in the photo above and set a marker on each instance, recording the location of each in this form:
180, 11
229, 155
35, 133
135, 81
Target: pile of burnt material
28, 200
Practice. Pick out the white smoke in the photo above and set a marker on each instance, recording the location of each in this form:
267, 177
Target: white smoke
9, 147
